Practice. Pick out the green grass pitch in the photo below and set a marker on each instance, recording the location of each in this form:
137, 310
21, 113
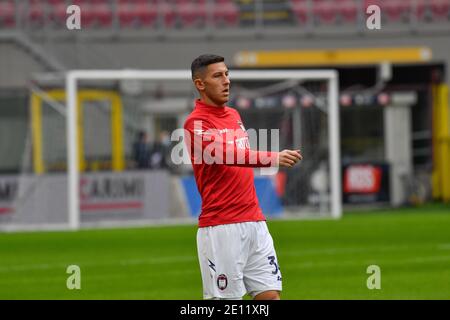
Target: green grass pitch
319, 259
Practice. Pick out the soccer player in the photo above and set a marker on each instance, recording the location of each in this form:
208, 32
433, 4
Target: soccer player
235, 249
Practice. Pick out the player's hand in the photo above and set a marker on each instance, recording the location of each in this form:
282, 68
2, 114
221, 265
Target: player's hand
288, 158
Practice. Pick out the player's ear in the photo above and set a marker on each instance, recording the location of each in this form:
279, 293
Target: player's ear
199, 84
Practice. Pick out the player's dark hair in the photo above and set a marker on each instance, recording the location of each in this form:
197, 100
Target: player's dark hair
201, 62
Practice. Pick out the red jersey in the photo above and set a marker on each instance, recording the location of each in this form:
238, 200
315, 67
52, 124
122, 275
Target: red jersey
222, 163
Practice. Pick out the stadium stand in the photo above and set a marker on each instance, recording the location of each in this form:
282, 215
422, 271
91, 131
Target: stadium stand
137, 14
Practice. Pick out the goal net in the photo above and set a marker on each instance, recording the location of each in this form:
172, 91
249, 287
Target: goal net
105, 149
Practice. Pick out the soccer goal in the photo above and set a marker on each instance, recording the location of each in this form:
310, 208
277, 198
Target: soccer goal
82, 164
326, 181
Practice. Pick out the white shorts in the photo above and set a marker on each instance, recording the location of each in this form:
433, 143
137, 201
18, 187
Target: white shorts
236, 259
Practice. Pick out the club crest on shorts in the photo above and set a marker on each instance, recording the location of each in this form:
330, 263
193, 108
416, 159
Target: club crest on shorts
222, 281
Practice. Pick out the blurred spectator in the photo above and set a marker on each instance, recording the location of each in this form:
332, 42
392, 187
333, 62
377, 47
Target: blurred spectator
141, 151
160, 151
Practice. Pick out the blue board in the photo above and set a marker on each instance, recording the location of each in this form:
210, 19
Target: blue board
268, 199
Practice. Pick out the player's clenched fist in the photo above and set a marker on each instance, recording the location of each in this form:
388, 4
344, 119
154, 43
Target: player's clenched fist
288, 158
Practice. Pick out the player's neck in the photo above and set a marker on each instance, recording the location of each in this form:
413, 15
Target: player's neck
209, 102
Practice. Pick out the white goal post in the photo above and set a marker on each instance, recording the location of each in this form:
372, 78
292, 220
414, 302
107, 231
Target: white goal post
74, 76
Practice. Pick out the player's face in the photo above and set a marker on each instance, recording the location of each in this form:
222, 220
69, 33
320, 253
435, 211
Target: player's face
215, 84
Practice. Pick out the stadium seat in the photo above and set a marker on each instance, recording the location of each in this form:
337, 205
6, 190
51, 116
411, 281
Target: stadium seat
421, 10
57, 2
348, 11
57, 12
137, 13
300, 10
440, 9
168, 13
95, 13
35, 14
324, 11
86, 15
397, 9
433, 10
190, 13
102, 12
392, 10
225, 13
7, 14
